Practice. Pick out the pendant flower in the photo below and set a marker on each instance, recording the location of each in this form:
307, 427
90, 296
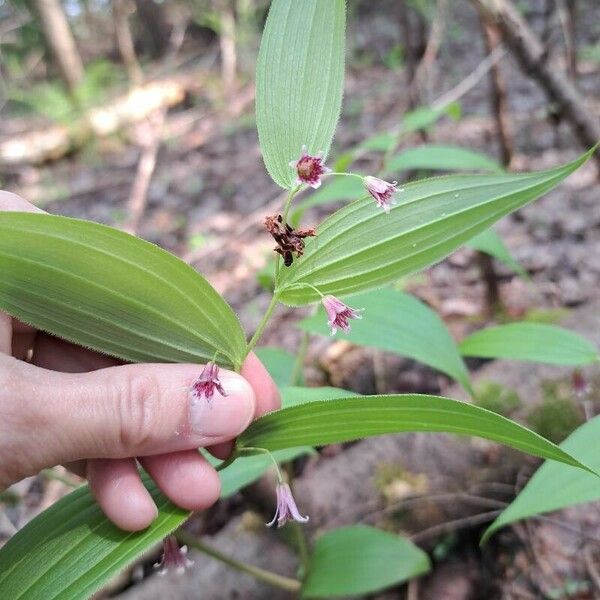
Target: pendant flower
286, 507
174, 558
580, 385
382, 191
309, 169
338, 314
207, 383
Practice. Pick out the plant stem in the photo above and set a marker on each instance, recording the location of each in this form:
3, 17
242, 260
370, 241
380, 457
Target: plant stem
52, 474
262, 325
285, 583
357, 175
299, 534
299, 362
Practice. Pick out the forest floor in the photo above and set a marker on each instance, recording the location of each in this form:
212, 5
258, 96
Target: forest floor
207, 200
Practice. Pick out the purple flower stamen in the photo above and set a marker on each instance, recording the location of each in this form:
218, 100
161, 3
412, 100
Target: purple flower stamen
174, 558
309, 169
382, 191
286, 507
339, 313
207, 383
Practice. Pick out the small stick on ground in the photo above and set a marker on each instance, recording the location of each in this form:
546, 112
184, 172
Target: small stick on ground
492, 37
138, 197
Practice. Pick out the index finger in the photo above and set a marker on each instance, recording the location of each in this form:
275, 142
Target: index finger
265, 390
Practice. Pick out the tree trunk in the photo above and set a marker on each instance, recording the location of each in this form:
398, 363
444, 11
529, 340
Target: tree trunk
60, 42
492, 38
530, 53
153, 19
125, 41
227, 46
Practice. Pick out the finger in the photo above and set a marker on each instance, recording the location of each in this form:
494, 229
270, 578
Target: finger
119, 491
265, 390
12, 202
52, 353
130, 410
5, 334
186, 478
267, 397
23, 343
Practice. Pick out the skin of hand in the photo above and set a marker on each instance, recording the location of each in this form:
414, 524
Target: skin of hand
63, 404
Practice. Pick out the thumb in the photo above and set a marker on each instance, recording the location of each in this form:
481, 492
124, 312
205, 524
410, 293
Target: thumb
130, 410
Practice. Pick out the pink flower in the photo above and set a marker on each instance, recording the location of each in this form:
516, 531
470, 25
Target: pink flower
309, 168
382, 191
207, 383
580, 385
338, 314
174, 558
286, 507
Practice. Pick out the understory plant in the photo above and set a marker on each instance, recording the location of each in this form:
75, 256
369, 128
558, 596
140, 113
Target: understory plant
115, 293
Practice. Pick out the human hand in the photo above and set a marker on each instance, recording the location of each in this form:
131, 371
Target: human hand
60, 403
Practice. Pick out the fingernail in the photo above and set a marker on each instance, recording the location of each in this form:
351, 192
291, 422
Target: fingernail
223, 416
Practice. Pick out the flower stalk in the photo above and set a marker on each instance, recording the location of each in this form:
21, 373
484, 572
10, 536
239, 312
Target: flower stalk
274, 579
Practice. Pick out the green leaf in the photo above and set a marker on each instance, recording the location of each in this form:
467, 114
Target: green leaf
293, 396
441, 158
380, 142
113, 292
361, 247
423, 117
491, 243
360, 560
536, 342
280, 364
299, 81
555, 486
71, 549
402, 324
347, 419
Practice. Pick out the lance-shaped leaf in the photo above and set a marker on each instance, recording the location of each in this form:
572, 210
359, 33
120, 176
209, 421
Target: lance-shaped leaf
347, 419
556, 486
433, 157
299, 81
360, 560
113, 292
400, 323
71, 549
536, 342
360, 247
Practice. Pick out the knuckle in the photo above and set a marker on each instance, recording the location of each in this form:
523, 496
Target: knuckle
139, 411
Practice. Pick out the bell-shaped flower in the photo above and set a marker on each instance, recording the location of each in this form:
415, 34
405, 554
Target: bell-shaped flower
339, 313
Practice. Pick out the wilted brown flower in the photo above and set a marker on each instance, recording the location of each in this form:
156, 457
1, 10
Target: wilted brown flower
290, 241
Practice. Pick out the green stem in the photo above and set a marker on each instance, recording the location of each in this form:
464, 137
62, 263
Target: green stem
333, 173
232, 458
300, 357
301, 545
288, 202
262, 325
299, 534
52, 474
285, 583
